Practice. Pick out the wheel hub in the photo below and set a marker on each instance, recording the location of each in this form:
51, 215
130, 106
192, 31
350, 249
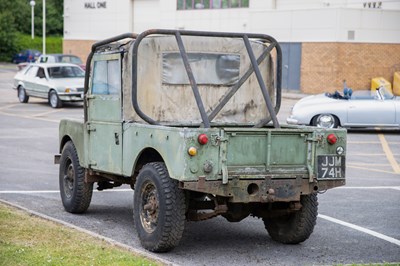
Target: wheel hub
150, 203
326, 121
69, 177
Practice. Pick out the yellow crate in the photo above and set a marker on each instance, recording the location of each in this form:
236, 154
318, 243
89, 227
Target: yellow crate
396, 83
378, 82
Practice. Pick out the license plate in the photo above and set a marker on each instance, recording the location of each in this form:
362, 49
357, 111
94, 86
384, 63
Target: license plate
331, 166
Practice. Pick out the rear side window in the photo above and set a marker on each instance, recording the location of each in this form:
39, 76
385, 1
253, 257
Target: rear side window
32, 71
106, 77
43, 59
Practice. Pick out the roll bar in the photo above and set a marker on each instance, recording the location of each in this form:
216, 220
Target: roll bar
206, 118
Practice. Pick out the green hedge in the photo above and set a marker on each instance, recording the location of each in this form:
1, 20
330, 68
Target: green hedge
53, 44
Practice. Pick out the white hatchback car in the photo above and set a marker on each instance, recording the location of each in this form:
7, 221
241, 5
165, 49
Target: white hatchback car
57, 82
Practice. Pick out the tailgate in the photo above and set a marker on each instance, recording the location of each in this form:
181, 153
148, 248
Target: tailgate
284, 153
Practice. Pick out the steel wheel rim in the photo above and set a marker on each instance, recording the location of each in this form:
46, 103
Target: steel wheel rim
149, 207
21, 94
325, 121
68, 178
53, 99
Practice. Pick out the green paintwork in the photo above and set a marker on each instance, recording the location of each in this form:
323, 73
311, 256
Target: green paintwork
234, 159
73, 130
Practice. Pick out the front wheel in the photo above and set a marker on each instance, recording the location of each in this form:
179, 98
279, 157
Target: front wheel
296, 227
325, 121
22, 96
75, 193
54, 100
159, 208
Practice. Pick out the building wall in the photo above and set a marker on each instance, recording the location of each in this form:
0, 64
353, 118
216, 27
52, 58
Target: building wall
325, 65
80, 48
96, 20
340, 39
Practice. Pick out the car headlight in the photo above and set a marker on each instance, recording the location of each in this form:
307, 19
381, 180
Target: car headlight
68, 90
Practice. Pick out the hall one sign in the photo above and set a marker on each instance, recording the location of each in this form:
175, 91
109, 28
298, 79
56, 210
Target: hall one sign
94, 5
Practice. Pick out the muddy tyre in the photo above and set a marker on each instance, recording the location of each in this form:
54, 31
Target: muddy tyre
296, 227
159, 208
75, 193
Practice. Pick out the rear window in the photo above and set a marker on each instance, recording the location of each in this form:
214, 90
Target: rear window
208, 69
71, 59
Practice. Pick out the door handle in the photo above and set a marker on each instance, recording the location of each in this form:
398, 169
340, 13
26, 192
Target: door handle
116, 137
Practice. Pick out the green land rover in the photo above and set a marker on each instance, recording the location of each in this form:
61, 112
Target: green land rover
188, 120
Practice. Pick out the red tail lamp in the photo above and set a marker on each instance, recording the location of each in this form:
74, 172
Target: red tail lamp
202, 139
331, 138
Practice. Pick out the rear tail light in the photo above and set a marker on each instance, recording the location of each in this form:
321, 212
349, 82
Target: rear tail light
202, 139
331, 138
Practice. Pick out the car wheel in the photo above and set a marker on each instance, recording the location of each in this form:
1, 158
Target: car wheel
159, 208
76, 194
54, 100
22, 97
325, 121
296, 227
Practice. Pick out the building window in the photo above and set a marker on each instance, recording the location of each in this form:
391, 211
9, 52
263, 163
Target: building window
211, 4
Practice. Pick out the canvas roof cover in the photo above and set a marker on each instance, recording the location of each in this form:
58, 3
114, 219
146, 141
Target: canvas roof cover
165, 95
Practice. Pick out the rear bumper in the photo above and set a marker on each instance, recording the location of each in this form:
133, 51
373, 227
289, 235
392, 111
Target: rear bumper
262, 190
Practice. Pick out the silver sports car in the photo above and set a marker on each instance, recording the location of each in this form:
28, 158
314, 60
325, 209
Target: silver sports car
57, 82
378, 108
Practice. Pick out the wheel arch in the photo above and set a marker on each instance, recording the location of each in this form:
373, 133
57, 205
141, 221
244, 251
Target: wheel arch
22, 85
147, 155
337, 117
49, 90
71, 130
63, 141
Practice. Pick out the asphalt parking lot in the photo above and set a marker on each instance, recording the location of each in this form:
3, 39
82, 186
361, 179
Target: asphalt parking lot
357, 223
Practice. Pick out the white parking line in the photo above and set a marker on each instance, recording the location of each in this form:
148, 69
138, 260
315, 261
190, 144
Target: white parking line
378, 187
54, 191
328, 218
361, 229
131, 190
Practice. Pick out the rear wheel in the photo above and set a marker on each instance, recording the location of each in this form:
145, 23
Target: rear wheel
159, 208
54, 100
75, 193
325, 121
296, 227
22, 97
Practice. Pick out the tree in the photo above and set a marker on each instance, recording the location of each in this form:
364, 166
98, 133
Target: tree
15, 17
7, 36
